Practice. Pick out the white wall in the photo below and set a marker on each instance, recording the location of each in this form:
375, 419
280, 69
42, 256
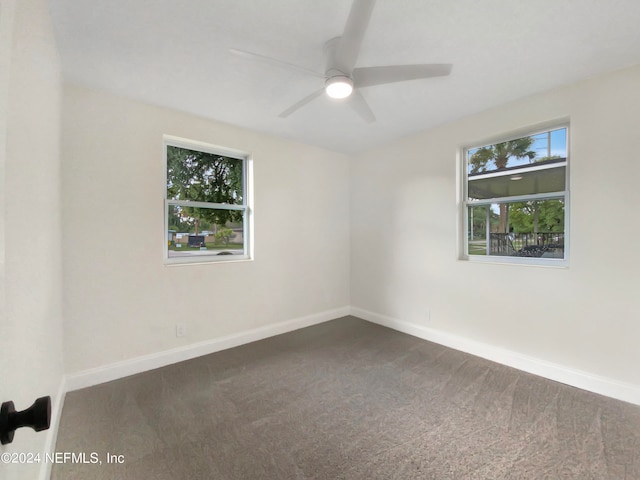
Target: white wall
120, 301
30, 315
405, 220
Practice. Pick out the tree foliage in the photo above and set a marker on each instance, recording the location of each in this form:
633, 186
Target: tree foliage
224, 235
203, 177
496, 157
549, 216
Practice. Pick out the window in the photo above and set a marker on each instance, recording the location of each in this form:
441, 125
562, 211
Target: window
515, 199
207, 209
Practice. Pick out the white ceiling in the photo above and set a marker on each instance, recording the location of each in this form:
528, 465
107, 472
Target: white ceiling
175, 53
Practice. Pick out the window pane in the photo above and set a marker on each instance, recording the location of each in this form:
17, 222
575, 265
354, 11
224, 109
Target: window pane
477, 228
534, 150
518, 229
204, 231
203, 177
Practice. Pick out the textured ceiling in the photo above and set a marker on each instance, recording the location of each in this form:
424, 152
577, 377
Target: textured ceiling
175, 53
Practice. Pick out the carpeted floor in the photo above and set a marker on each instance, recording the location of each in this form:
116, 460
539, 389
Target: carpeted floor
346, 400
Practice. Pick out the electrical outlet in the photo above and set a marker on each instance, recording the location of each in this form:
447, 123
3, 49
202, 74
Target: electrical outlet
181, 329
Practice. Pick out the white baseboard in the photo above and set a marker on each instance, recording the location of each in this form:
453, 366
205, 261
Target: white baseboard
52, 433
114, 371
559, 373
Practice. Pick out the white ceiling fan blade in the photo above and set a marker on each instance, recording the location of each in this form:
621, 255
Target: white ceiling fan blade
348, 48
301, 103
274, 61
361, 107
369, 76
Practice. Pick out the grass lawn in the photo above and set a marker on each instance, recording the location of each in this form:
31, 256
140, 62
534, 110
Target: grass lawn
477, 248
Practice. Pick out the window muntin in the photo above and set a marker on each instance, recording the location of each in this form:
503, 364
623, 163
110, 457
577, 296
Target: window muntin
515, 199
206, 209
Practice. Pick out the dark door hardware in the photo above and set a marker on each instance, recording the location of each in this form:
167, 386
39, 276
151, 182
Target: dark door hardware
37, 416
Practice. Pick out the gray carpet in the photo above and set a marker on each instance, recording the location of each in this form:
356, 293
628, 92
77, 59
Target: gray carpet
346, 400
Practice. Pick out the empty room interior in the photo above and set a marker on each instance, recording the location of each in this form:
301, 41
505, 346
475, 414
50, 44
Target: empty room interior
316, 240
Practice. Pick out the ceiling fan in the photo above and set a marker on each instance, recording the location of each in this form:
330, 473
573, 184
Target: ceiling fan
342, 79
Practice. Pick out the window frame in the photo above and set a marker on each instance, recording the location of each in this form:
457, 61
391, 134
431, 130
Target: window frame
466, 203
246, 207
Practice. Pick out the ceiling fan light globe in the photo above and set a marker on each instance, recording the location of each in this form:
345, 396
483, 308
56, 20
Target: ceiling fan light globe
339, 87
